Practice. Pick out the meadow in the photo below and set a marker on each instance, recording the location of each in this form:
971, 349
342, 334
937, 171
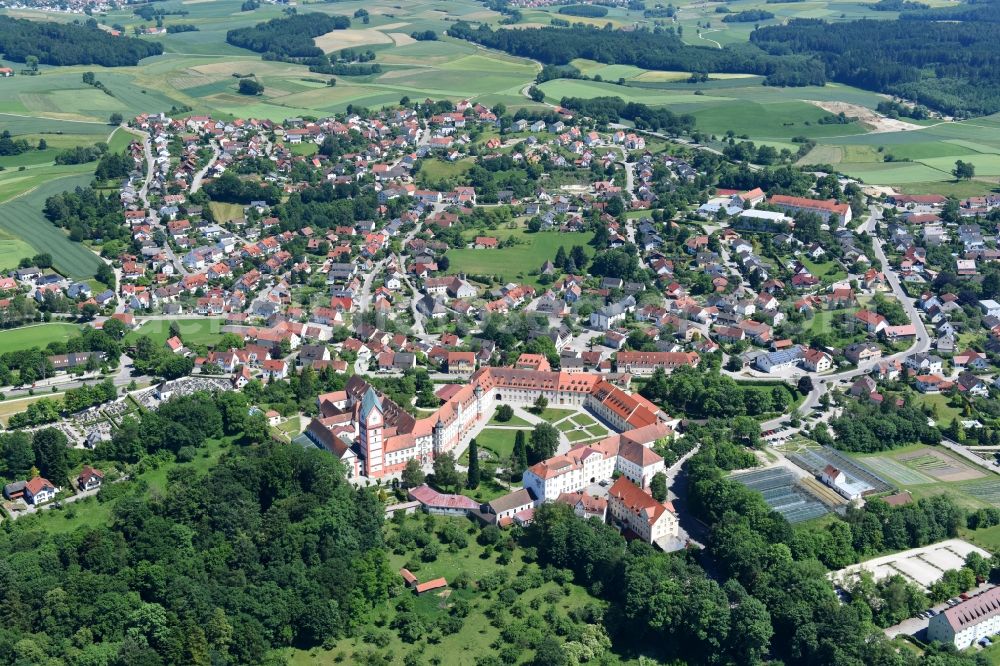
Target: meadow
202, 331
518, 263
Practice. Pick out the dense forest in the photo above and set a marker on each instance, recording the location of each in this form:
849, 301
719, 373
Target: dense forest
661, 49
953, 67
288, 37
70, 44
271, 548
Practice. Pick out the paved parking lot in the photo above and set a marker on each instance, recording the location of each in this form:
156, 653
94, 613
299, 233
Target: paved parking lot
923, 566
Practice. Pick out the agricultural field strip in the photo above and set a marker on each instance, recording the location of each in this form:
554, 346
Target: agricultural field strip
897, 471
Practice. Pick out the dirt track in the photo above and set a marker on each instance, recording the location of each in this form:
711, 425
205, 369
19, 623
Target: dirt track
867, 117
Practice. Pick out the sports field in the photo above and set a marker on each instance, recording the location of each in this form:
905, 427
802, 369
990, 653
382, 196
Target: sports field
38, 335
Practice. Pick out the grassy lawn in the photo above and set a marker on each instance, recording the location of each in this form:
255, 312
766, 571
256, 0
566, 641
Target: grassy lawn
434, 170
939, 402
514, 421
988, 538
553, 414
487, 491
193, 331
226, 212
519, 263
38, 335
828, 270
500, 442
306, 149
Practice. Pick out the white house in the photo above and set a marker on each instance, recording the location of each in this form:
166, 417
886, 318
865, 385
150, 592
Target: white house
39, 490
967, 622
635, 509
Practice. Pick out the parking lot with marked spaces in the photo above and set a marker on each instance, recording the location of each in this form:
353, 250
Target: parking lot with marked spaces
922, 566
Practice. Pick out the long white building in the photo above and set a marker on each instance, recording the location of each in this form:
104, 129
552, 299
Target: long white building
630, 454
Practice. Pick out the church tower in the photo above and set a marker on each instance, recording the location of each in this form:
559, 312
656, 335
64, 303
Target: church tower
438, 437
370, 424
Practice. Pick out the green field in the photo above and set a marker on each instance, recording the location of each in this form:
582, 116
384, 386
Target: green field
499, 441
206, 331
519, 262
37, 335
892, 470
21, 218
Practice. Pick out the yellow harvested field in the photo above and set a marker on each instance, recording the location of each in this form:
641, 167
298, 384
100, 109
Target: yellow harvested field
346, 39
257, 66
401, 38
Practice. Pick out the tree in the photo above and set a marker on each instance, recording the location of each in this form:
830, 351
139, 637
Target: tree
115, 119
413, 474
51, 455
561, 258
445, 472
541, 402
519, 458
543, 444
256, 428
549, 652
658, 487
251, 87
505, 413
473, 477
805, 384
963, 170
536, 94
751, 631
31, 62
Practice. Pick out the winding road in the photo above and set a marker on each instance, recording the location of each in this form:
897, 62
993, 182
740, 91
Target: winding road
921, 344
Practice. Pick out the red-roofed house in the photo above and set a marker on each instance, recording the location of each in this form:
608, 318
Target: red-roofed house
635, 509
828, 209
